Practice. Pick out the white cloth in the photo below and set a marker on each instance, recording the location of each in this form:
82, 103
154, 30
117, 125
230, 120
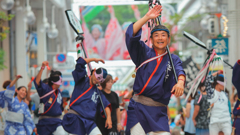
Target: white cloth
59, 131
220, 111
138, 130
36, 99
15, 117
95, 131
225, 127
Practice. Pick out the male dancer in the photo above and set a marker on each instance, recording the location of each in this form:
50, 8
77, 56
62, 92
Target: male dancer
147, 111
236, 110
50, 108
85, 100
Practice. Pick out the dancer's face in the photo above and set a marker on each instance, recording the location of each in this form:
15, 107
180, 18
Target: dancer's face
55, 86
94, 79
22, 92
221, 87
96, 33
160, 40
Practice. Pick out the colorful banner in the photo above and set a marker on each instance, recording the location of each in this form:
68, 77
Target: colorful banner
104, 29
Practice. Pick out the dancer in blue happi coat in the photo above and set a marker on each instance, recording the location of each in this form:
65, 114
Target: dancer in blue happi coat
18, 118
85, 100
154, 82
236, 110
50, 108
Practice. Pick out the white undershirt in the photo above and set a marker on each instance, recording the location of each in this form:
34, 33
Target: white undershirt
220, 111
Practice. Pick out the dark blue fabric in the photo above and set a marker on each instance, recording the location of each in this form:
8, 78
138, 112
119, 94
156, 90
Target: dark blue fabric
160, 30
57, 108
89, 102
236, 83
237, 126
76, 124
159, 88
87, 105
48, 126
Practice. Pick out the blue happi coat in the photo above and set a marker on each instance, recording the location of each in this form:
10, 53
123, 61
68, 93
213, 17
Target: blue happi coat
49, 125
86, 106
236, 83
12, 128
158, 88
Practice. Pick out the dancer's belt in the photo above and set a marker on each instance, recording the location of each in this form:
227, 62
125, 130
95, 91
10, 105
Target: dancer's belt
73, 112
146, 101
14, 117
48, 117
238, 116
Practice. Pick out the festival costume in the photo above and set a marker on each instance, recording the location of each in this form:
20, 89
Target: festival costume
49, 121
236, 110
18, 118
154, 82
84, 103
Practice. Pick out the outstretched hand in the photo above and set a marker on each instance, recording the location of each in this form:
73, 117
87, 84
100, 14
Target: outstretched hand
178, 89
101, 60
45, 63
154, 12
18, 76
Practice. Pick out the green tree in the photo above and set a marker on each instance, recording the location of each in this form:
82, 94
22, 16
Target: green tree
4, 30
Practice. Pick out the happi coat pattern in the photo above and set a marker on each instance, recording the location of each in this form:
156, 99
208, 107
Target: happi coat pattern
155, 80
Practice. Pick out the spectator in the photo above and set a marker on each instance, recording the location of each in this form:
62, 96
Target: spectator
200, 115
189, 125
65, 98
112, 97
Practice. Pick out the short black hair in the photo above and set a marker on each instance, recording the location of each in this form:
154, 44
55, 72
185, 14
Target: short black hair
53, 74
160, 27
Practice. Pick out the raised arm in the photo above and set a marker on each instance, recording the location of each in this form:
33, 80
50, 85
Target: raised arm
29, 91
10, 91
151, 14
80, 71
39, 75
15, 80
94, 59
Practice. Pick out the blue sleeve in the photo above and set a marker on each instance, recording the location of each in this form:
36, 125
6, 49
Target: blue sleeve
42, 89
178, 66
80, 70
136, 48
2, 99
105, 103
9, 93
208, 85
28, 122
236, 77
